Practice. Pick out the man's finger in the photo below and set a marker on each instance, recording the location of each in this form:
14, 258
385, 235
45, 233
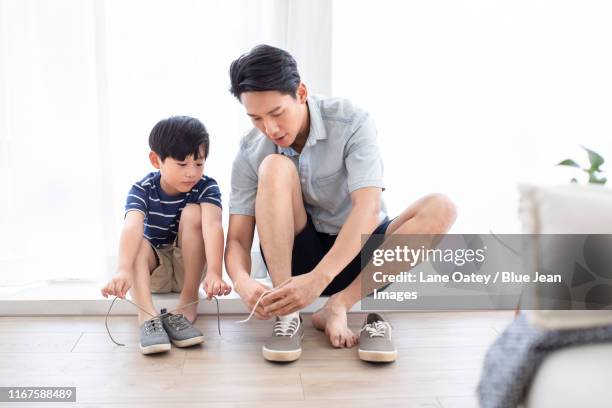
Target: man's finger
277, 293
261, 316
273, 308
288, 309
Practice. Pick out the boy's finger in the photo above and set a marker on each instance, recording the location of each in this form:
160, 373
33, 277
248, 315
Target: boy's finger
124, 288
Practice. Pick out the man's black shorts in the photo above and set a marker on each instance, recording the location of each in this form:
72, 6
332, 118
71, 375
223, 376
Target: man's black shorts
310, 246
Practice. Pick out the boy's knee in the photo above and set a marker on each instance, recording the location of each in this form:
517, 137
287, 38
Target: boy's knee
191, 217
277, 167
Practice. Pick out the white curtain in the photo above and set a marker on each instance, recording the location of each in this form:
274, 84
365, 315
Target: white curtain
472, 97
82, 82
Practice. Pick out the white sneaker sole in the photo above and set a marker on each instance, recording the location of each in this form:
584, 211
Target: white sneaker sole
377, 356
155, 348
188, 342
275, 355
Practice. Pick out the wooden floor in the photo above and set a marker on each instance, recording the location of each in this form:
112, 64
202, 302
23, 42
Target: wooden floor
439, 363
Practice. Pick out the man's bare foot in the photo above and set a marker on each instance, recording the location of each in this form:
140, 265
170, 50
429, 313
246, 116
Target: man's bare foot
190, 312
332, 319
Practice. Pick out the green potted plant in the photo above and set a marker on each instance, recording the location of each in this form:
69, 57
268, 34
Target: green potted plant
594, 170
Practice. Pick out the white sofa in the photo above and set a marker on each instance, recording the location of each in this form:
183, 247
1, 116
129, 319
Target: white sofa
579, 376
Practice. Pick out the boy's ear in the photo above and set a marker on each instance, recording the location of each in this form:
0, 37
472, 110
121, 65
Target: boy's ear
155, 160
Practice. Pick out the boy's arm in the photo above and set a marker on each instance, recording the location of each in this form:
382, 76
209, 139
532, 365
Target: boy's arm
212, 230
131, 238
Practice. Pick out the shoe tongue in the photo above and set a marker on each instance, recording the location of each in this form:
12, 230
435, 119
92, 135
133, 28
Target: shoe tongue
289, 317
374, 317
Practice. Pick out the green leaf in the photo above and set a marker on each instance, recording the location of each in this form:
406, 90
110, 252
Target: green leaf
594, 179
594, 158
568, 162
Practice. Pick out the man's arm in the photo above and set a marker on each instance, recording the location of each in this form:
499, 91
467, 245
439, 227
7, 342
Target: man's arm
238, 261
362, 219
129, 243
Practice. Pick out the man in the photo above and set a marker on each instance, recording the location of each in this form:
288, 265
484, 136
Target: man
309, 176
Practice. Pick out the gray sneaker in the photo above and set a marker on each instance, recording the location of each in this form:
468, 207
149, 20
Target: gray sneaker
181, 331
375, 341
153, 337
286, 341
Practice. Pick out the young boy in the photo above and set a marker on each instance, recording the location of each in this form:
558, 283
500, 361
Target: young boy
172, 235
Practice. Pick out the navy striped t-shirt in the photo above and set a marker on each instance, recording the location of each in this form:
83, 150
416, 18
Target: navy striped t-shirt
162, 212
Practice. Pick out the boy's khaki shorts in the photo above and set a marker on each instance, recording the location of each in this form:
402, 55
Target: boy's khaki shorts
169, 274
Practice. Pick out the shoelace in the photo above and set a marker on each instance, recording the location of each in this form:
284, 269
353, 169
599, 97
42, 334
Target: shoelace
178, 322
255, 306
375, 329
154, 318
286, 327
281, 327
153, 326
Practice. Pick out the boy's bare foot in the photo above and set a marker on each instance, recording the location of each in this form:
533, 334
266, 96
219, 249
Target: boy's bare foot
190, 312
332, 319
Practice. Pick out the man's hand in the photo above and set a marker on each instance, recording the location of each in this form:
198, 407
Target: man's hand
214, 285
294, 294
118, 285
250, 290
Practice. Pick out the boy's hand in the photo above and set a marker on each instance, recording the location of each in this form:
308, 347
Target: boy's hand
250, 290
118, 285
215, 286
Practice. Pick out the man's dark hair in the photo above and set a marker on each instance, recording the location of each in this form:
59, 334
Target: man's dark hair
179, 137
264, 68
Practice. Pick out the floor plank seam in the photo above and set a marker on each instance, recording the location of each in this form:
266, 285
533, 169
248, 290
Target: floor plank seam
77, 342
302, 387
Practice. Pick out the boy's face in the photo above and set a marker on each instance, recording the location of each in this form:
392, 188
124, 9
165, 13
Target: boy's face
178, 176
280, 117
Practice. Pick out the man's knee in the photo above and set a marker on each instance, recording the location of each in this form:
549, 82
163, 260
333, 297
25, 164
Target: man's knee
277, 168
441, 211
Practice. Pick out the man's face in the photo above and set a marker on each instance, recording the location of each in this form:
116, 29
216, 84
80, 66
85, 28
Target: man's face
279, 117
178, 176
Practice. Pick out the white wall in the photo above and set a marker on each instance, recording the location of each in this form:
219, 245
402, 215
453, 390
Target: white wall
471, 97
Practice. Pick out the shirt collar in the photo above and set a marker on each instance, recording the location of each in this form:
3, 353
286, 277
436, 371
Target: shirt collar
317, 129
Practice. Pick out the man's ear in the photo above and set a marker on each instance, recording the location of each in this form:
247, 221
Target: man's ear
155, 160
302, 93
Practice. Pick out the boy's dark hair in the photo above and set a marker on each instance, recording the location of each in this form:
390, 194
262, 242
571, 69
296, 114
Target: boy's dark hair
179, 137
264, 68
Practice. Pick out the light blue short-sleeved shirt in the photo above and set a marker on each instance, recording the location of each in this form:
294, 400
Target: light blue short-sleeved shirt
341, 155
